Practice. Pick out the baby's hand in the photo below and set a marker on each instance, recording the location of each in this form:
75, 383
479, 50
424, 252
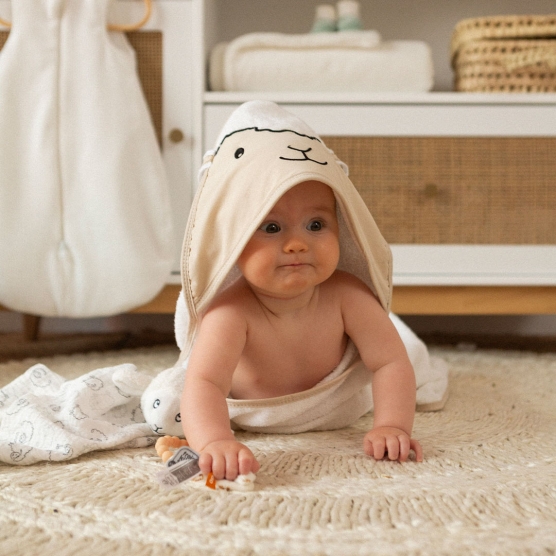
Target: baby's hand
392, 442
227, 459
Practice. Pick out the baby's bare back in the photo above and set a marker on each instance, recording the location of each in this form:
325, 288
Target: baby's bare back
291, 351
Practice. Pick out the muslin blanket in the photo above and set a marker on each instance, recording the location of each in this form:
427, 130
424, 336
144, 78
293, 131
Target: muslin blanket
45, 417
322, 62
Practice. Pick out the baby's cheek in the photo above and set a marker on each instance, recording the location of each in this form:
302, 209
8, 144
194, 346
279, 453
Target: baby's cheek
257, 268
330, 253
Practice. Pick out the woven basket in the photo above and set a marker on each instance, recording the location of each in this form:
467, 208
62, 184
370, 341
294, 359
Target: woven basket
505, 54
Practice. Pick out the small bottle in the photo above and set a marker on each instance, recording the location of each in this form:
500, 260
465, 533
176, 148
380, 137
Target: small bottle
348, 16
325, 19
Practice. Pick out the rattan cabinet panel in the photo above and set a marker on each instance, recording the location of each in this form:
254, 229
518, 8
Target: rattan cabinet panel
455, 190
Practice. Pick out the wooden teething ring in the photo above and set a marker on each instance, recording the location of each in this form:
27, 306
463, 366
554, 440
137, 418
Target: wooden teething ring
166, 446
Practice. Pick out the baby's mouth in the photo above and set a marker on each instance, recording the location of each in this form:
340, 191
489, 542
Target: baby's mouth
295, 265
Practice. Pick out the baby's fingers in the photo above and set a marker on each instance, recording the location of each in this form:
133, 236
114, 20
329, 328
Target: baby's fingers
205, 463
406, 444
396, 447
393, 447
375, 447
221, 465
247, 462
416, 447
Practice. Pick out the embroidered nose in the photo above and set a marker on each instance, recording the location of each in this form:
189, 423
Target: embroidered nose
303, 156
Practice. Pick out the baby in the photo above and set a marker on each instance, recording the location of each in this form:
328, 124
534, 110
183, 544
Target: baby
284, 325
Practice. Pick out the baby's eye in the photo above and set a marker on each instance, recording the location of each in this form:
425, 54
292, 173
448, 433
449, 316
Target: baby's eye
315, 226
270, 228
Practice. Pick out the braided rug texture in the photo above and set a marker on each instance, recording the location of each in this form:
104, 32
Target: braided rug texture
487, 485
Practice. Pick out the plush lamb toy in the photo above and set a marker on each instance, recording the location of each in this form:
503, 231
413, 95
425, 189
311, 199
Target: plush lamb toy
160, 398
160, 402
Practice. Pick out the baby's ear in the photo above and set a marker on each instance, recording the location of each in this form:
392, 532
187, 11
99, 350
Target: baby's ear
130, 381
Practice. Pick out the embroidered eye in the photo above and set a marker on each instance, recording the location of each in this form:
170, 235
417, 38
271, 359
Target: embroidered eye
239, 152
270, 228
178, 418
315, 226
156, 404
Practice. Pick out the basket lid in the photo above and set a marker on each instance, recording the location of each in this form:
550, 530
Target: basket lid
502, 27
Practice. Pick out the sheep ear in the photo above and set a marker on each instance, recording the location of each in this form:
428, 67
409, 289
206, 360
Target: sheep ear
128, 379
341, 164
344, 167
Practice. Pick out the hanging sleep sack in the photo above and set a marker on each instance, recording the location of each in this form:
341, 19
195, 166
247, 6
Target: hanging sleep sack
85, 225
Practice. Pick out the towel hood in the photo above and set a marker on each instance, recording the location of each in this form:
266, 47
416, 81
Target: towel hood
262, 152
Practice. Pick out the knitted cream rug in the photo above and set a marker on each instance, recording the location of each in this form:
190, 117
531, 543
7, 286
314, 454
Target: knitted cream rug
487, 485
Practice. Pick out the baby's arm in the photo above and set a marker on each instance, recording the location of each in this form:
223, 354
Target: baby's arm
204, 412
383, 352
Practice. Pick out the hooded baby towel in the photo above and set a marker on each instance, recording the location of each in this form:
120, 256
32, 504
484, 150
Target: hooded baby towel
261, 153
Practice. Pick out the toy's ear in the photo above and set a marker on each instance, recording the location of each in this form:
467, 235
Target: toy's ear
130, 381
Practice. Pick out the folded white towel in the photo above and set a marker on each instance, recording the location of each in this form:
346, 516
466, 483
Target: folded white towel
330, 62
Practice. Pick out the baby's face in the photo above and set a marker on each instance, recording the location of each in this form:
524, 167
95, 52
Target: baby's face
296, 247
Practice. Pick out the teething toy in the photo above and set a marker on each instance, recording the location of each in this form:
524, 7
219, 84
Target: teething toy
167, 445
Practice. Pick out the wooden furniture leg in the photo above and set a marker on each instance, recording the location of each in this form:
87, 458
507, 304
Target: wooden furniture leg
31, 326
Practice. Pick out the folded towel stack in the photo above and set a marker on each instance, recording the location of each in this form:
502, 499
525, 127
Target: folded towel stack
351, 61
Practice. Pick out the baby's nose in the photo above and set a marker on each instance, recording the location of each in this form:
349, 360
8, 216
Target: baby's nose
295, 244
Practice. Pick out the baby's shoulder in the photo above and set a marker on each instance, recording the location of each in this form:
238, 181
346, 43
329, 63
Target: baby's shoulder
233, 299
348, 286
345, 281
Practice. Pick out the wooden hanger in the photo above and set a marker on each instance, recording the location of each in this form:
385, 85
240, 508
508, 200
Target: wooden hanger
131, 27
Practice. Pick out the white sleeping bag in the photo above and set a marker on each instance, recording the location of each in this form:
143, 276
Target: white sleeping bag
85, 225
